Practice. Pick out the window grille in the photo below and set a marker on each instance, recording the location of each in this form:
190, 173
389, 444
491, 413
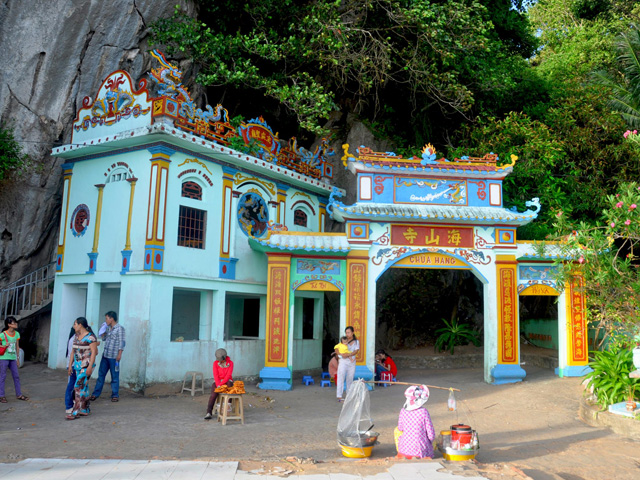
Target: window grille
191, 227
192, 190
300, 218
118, 176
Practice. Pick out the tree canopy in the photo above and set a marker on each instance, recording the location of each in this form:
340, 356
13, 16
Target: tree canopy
469, 76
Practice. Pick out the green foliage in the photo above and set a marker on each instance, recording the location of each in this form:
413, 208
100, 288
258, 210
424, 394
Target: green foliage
625, 86
453, 334
606, 256
11, 156
421, 57
610, 377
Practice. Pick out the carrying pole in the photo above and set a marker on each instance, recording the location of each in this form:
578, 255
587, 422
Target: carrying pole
416, 384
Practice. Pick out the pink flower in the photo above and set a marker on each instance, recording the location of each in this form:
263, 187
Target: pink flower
627, 222
613, 224
617, 194
635, 132
559, 214
619, 204
581, 259
633, 206
626, 134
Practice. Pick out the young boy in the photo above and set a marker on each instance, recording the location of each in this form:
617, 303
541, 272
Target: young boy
342, 347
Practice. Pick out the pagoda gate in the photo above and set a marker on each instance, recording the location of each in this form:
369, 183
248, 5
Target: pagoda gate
421, 213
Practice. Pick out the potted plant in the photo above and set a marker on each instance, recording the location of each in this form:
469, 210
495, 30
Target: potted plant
631, 402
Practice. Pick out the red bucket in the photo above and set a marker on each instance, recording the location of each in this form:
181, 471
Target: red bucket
461, 433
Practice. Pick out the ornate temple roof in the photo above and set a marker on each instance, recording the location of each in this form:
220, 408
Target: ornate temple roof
433, 213
121, 117
302, 241
368, 160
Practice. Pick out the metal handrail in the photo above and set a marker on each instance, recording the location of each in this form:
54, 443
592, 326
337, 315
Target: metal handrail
28, 292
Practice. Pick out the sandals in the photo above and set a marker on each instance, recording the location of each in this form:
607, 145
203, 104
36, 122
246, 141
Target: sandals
23, 397
3, 399
114, 399
93, 398
71, 417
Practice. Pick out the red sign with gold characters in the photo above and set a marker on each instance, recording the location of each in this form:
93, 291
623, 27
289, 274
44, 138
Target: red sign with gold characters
278, 315
508, 307
422, 236
578, 322
357, 304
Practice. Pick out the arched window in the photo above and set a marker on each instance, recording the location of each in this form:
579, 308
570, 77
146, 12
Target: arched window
300, 217
192, 190
118, 175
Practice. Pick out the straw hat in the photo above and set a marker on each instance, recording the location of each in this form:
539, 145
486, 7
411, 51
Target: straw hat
417, 396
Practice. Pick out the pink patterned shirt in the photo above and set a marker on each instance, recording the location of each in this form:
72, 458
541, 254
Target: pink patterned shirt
417, 433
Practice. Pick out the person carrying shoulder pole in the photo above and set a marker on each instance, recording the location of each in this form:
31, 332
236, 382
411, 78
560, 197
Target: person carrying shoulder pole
112, 333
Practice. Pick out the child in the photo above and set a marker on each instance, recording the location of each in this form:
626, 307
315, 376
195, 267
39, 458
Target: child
10, 359
342, 347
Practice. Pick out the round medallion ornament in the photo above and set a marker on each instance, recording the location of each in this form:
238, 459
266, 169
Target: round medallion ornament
79, 220
253, 214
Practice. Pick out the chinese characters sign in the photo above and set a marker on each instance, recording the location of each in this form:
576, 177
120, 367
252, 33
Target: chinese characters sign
508, 316
577, 334
278, 315
319, 285
426, 236
357, 304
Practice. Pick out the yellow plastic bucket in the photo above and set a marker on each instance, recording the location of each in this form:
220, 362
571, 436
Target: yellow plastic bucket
356, 452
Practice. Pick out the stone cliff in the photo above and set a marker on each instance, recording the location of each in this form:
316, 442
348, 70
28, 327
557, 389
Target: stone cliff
53, 54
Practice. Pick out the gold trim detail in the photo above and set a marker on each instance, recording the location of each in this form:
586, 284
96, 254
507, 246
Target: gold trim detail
195, 160
302, 195
240, 178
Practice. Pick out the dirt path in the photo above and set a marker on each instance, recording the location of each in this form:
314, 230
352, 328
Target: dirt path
532, 426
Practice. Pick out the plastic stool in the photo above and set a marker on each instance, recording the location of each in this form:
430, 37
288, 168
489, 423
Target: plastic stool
236, 412
325, 375
325, 383
307, 380
194, 377
386, 377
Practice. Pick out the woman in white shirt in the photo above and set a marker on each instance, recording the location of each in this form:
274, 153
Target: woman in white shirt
347, 364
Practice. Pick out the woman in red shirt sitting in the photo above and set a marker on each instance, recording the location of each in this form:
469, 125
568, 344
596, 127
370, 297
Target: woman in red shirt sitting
384, 363
222, 371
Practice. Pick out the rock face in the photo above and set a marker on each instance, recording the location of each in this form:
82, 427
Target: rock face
53, 54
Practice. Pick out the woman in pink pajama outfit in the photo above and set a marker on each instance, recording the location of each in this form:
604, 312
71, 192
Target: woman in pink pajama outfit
415, 424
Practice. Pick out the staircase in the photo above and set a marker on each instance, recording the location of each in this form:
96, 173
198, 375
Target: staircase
28, 295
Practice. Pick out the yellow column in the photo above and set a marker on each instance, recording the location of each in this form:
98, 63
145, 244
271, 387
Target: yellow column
132, 181
154, 243
357, 263
96, 232
277, 335
282, 204
508, 369
126, 253
576, 330
67, 172
227, 214
322, 215
276, 375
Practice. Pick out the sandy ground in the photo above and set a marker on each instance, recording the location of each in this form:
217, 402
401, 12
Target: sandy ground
527, 429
